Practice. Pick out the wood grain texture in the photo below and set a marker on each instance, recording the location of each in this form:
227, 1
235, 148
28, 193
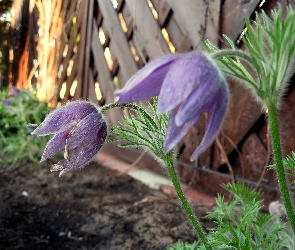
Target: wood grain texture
121, 46
179, 40
155, 43
104, 75
192, 20
233, 18
86, 83
163, 9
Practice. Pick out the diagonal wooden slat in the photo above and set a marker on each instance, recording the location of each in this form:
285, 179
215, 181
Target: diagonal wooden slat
120, 44
85, 84
104, 75
233, 18
81, 55
191, 18
155, 43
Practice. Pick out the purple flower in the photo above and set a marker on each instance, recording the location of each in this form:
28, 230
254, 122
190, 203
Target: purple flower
6, 103
15, 91
187, 85
79, 129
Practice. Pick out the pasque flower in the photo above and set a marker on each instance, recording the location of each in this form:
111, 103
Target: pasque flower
79, 129
187, 85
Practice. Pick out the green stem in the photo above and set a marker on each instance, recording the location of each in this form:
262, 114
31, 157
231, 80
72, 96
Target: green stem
129, 106
184, 202
277, 151
220, 54
119, 105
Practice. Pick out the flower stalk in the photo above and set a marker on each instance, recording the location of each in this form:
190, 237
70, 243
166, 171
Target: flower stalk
167, 159
277, 151
188, 210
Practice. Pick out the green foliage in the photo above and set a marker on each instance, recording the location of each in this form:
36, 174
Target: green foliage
16, 142
269, 55
289, 164
240, 225
146, 130
183, 246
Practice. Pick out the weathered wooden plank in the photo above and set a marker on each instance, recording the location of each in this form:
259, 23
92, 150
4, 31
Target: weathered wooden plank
242, 114
233, 17
55, 34
128, 20
71, 44
106, 33
70, 13
119, 76
82, 45
179, 40
163, 9
254, 156
155, 43
192, 21
66, 28
120, 5
212, 20
70, 79
141, 56
104, 75
85, 77
121, 46
106, 83
70, 50
91, 96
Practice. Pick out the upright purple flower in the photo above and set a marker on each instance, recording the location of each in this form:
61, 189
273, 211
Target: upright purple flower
187, 85
79, 129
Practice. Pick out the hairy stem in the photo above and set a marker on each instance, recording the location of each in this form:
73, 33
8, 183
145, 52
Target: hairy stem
277, 151
231, 53
169, 162
191, 216
120, 105
135, 107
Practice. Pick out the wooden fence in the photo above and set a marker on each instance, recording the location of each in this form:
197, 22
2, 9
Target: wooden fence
100, 44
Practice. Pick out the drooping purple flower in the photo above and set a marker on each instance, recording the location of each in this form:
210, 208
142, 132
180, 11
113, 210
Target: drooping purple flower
79, 129
187, 85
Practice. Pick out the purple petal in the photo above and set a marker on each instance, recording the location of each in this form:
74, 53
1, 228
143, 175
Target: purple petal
85, 131
55, 145
215, 119
82, 156
64, 117
147, 82
184, 76
175, 133
6, 102
63, 166
200, 100
15, 91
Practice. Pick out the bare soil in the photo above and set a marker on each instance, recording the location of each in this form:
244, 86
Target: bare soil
95, 208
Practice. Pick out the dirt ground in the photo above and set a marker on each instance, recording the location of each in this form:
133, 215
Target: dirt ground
96, 208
